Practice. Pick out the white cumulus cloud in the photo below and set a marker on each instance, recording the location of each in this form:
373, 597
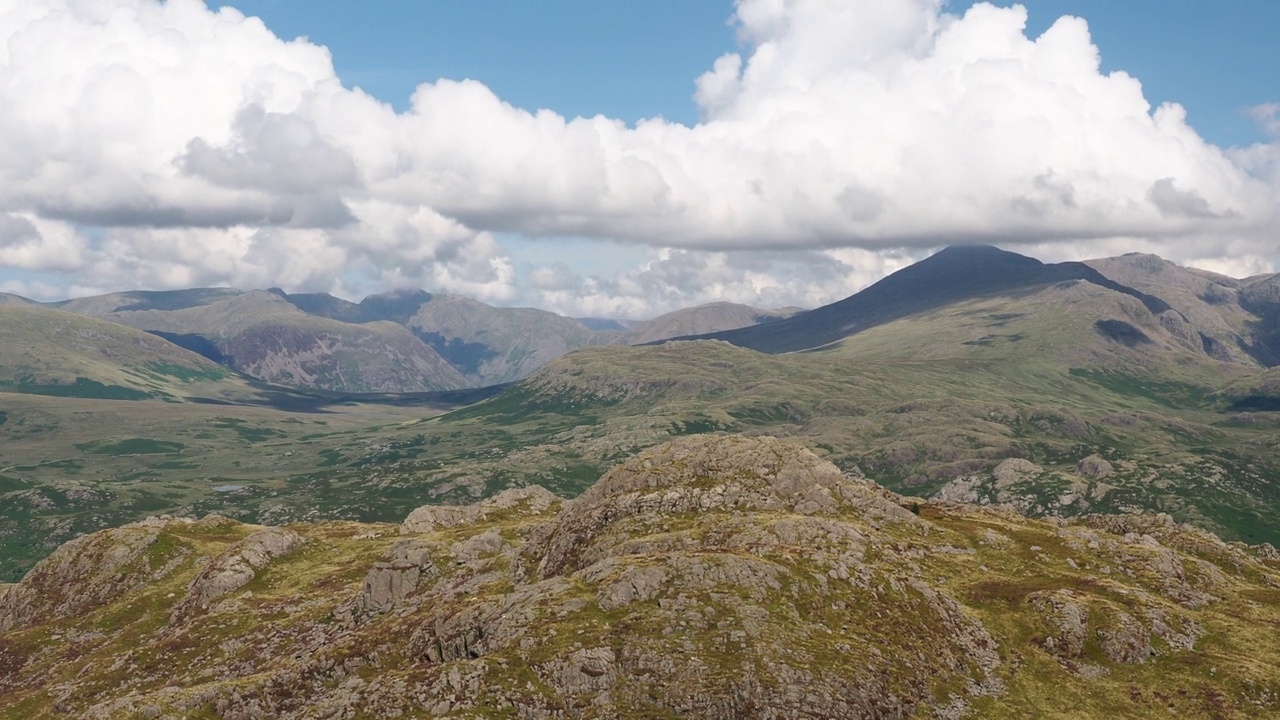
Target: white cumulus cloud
149, 144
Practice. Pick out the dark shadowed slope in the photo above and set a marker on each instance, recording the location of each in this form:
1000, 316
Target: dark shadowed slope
1235, 320
952, 275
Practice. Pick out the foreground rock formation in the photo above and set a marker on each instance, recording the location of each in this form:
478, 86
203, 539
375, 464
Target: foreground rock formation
716, 577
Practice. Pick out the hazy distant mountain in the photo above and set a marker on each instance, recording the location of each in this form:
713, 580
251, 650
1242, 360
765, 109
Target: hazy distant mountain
10, 299
261, 334
709, 318
412, 340
487, 345
599, 324
400, 341
491, 345
164, 300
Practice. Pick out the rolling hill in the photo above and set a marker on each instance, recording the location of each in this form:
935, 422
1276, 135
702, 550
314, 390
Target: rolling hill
1105, 395
55, 353
395, 342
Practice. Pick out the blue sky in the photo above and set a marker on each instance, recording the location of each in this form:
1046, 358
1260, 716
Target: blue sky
606, 158
633, 60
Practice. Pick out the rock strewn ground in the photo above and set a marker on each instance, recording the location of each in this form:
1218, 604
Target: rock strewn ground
716, 577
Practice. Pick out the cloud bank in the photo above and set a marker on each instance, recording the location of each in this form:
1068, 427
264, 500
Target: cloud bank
166, 145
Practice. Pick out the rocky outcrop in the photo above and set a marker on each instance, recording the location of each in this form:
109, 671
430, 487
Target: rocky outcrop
532, 500
708, 473
82, 575
1094, 468
389, 583
1011, 471
1067, 619
237, 566
712, 577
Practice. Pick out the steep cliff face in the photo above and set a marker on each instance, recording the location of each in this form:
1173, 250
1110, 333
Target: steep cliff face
719, 577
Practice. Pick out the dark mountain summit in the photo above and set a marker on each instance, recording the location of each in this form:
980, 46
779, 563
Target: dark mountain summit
952, 275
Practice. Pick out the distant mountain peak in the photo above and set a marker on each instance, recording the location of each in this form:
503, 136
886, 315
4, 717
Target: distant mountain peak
979, 252
400, 294
953, 274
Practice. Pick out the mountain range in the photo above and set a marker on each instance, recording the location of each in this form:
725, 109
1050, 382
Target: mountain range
397, 342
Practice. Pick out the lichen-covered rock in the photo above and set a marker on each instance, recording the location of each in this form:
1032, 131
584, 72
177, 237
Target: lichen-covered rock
1014, 470
590, 671
1094, 468
1068, 620
236, 567
531, 500
704, 473
964, 490
387, 585
1125, 640
83, 574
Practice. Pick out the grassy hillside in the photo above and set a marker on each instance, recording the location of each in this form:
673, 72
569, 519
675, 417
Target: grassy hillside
1067, 397
1110, 410
73, 465
51, 352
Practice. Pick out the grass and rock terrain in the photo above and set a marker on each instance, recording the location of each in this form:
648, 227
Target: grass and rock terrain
712, 576
1064, 397
1086, 458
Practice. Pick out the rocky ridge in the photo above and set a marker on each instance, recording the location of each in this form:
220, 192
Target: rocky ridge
713, 576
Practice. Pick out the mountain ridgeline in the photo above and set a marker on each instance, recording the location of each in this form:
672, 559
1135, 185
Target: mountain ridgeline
1234, 320
953, 275
396, 342
414, 341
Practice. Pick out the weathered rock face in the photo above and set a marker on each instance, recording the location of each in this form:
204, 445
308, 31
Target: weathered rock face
236, 567
712, 577
389, 583
530, 500
1093, 467
82, 575
707, 473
